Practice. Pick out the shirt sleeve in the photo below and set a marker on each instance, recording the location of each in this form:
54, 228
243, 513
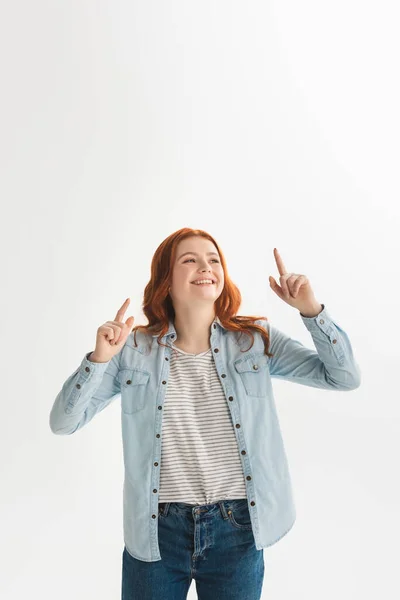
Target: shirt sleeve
330, 366
86, 392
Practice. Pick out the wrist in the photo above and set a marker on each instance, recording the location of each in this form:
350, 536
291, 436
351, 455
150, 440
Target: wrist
312, 312
93, 358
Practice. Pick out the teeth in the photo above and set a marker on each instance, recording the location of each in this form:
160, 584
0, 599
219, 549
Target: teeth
202, 281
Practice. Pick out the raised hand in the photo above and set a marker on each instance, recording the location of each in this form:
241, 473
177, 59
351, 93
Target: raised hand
295, 289
112, 335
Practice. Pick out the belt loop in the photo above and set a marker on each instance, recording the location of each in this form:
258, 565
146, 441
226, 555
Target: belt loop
223, 509
164, 509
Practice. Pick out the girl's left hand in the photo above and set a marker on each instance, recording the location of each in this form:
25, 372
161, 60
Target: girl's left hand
296, 289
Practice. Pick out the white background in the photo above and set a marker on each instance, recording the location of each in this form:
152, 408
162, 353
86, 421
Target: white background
266, 124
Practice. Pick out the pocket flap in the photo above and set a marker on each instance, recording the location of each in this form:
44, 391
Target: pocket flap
130, 377
253, 363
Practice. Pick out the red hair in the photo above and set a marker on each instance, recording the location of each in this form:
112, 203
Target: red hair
157, 304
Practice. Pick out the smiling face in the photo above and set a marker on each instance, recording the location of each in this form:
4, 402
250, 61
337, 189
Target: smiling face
202, 262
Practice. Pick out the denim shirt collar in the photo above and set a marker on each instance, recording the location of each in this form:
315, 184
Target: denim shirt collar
171, 328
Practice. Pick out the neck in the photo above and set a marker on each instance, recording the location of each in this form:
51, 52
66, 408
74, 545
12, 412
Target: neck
193, 330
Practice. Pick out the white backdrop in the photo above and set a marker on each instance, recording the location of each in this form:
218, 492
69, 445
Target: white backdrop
266, 124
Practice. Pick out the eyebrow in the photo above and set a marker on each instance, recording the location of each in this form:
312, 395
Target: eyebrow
195, 253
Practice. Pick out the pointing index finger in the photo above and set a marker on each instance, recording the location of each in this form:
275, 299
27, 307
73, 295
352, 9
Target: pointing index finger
279, 263
121, 312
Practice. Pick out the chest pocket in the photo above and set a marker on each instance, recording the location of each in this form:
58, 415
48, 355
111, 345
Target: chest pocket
253, 372
134, 385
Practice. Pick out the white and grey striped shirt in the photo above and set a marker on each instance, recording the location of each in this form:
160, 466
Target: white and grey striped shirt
200, 462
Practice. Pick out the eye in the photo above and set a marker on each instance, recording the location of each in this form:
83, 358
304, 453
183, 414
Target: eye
185, 261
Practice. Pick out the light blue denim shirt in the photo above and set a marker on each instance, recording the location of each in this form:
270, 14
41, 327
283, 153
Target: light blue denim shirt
138, 376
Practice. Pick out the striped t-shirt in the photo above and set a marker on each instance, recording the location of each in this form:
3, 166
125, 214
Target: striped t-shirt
200, 462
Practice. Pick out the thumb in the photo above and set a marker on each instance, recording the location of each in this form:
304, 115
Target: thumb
273, 284
130, 322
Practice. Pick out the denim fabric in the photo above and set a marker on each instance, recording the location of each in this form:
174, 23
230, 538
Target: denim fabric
138, 377
212, 544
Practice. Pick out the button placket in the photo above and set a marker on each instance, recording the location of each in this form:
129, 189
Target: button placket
159, 427
233, 411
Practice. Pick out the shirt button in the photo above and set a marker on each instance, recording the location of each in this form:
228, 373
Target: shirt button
334, 341
321, 321
87, 369
255, 367
216, 350
78, 385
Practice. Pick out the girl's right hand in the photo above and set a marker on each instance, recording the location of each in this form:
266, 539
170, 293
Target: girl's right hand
112, 336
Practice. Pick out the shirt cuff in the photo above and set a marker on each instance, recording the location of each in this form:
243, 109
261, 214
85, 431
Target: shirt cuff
93, 367
320, 321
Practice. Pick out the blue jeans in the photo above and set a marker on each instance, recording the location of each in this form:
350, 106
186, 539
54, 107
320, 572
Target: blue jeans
212, 544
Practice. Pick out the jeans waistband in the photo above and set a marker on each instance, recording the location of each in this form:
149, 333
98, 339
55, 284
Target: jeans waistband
223, 506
